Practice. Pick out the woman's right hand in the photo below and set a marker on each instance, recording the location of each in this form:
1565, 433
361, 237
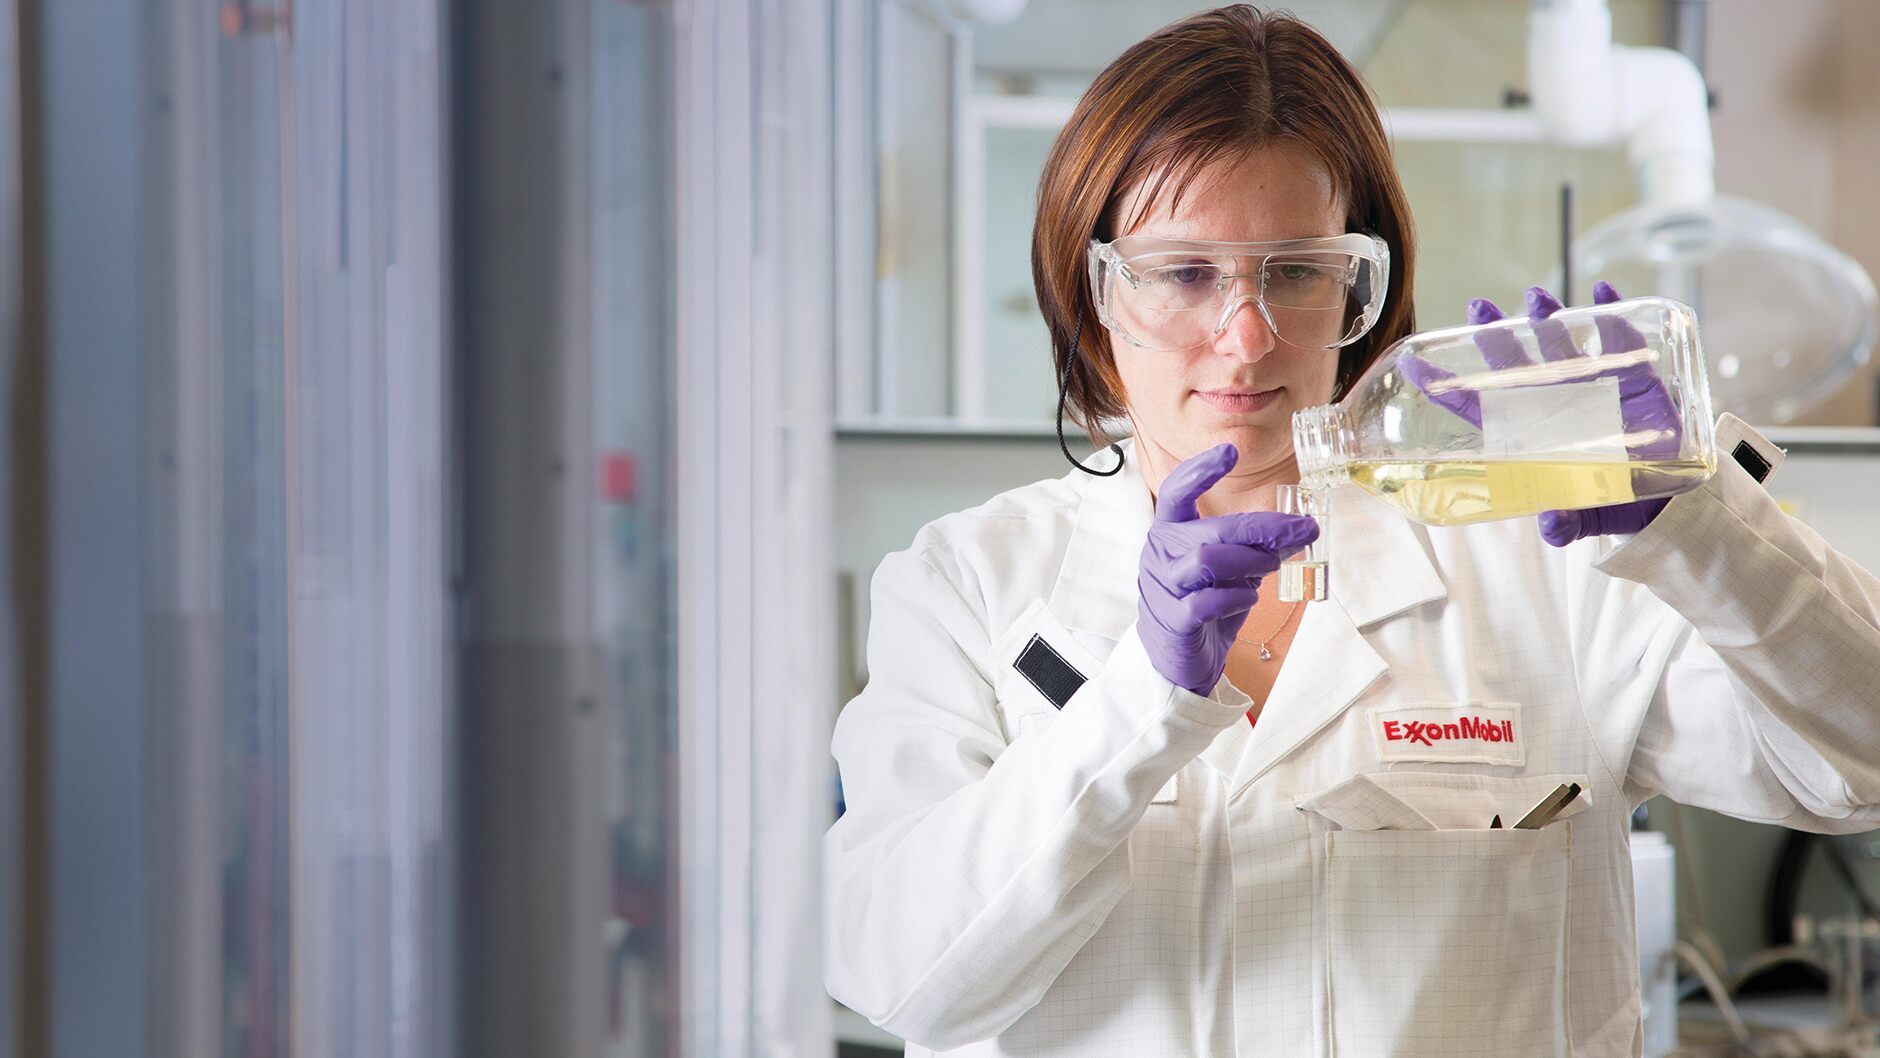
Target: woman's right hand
1200, 576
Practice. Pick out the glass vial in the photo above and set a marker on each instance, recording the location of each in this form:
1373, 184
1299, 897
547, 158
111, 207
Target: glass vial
1303, 575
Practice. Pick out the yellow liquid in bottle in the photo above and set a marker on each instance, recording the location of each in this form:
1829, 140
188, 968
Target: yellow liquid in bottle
1461, 493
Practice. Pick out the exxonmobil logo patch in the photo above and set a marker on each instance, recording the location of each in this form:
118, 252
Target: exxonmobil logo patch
1487, 732
1429, 732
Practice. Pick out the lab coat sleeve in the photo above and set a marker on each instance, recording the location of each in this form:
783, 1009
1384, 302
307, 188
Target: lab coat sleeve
1769, 703
966, 872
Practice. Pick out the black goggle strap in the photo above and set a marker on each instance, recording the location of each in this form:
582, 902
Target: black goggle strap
1064, 389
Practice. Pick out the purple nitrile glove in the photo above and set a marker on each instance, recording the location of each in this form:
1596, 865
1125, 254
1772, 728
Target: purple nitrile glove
1200, 576
1652, 425
1561, 528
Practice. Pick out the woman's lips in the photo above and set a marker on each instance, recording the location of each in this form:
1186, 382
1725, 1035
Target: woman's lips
1229, 401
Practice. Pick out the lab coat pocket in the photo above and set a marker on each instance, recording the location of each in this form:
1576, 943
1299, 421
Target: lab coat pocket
1443, 938
1448, 942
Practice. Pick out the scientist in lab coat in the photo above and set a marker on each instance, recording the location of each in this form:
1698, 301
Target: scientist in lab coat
1107, 796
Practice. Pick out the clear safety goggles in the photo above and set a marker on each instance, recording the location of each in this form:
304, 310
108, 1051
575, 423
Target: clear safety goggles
1176, 294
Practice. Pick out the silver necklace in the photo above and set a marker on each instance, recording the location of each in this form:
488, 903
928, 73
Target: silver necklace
1266, 654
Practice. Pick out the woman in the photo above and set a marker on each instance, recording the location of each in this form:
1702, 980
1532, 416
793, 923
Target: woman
1108, 797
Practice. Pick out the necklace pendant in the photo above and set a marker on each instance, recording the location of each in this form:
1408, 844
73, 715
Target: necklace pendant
1265, 654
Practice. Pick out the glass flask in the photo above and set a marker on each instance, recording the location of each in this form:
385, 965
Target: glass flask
1598, 405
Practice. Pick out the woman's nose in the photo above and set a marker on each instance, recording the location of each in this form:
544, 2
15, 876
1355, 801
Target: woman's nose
1246, 335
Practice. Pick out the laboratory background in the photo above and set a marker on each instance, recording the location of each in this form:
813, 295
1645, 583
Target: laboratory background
448, 443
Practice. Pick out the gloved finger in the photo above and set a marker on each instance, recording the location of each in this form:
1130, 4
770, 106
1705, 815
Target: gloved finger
1217, 604
1540, 303
1160, 609
1615, 335
1220, 565
1653, 425
1175, 501
1639, 385
1482, 310
1560, 528
1620, 517
1555, 342
1277, 534
1426, 376
1500, 349
1638, 382
1654, 429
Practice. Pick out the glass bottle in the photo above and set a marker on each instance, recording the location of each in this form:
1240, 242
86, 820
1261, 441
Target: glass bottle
1592, 406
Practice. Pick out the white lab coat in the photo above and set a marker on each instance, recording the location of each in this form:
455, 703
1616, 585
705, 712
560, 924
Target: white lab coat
1144, 873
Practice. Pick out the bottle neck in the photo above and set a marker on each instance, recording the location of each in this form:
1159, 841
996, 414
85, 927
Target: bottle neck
1322, 443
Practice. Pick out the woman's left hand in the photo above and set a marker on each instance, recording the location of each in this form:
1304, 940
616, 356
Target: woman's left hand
1646, 405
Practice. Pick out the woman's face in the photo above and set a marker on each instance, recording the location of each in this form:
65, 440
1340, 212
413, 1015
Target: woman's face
1244, 384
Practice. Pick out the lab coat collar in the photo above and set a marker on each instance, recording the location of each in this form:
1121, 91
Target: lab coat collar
1380, 561
1380, 564
1327, 667
1096, 586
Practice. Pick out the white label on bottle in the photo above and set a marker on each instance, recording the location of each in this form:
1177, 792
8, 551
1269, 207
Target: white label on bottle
1569, 422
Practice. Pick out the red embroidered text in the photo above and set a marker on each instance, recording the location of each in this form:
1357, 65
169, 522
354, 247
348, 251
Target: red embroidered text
1468, 727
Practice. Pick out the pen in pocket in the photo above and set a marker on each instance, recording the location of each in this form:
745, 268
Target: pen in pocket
1548, 807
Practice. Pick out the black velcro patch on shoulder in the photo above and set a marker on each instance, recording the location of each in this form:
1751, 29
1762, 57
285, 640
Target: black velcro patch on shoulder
1751, 460
1048, 671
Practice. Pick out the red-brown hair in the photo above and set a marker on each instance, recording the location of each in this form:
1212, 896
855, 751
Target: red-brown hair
1220, 83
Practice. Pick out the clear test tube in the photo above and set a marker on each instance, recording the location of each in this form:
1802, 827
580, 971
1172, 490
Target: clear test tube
1304, 575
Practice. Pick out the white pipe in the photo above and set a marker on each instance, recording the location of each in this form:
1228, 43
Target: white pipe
1571, 80
1667, 115
1589, 93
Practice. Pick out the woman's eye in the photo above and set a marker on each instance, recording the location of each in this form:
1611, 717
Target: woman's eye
1189, 275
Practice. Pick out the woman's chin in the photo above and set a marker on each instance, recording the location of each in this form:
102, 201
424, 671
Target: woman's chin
1260, 444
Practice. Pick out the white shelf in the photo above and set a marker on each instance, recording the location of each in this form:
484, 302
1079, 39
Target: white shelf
1001, 430
1864, 440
